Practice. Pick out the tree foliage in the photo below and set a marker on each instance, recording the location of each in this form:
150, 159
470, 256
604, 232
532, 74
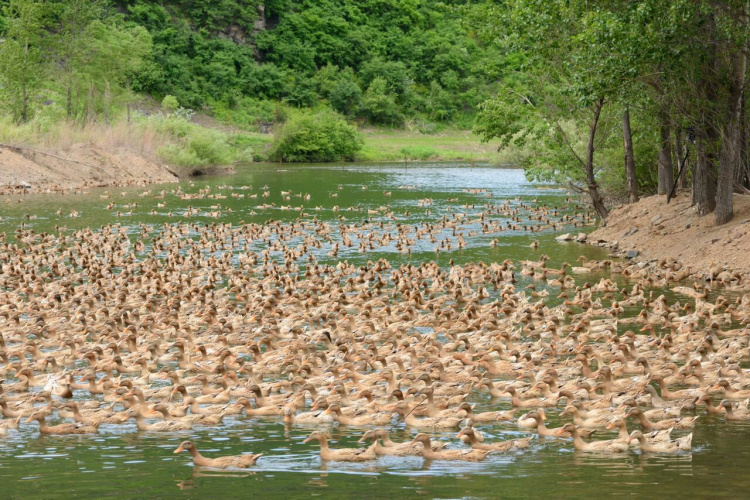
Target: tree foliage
75, 54
681, 65
207, 53
322, 136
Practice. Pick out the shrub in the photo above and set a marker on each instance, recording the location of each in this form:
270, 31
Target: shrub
170, 103
192, 146
323, 136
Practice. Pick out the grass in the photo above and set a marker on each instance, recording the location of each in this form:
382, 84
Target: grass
176, 141
447, 145
193, 147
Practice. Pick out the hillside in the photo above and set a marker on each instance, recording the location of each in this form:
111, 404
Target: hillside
382, 61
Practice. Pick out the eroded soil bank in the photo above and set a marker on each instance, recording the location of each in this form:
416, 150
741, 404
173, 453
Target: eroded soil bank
82, 166
658, 231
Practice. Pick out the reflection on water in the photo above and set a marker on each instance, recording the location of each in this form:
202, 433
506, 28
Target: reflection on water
121, 462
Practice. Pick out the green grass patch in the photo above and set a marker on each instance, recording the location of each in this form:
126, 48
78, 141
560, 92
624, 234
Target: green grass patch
446, 145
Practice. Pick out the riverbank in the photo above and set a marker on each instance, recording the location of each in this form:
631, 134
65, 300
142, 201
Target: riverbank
122, 155
38, 169
652, 230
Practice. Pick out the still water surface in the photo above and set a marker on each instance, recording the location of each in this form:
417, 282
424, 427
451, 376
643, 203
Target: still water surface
122, 462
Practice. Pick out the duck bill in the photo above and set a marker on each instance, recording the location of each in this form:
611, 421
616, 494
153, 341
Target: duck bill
307, 440
610, 426
179, 449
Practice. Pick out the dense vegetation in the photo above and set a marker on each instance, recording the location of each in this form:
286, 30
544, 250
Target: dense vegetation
385, 61
653, 82
611, 98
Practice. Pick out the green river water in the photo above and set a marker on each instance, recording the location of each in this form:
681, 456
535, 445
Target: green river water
121, 462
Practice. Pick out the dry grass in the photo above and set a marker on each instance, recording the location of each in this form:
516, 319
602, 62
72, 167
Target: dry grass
140, 138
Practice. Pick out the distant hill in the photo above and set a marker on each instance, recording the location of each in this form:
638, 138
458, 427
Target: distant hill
381, 61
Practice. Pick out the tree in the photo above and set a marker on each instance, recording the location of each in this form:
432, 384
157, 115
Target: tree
379, 106
22, 67
72, 43
627, 137
686, 60
116, 52
556, 87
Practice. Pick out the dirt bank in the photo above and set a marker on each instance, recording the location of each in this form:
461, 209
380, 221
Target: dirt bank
659, 230
39, 170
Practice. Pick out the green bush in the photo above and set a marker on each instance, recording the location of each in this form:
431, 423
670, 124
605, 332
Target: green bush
322, 136
170, 103
193, 146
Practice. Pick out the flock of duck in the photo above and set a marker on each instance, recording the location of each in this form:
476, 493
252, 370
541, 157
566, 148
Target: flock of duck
187, 325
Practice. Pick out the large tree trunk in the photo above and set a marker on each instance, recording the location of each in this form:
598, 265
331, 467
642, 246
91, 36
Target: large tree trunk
627, 138
593, 187
666, 172
730, 159
704, 173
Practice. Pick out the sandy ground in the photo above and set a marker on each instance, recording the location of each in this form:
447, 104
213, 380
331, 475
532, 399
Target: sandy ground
38, 170
658, 230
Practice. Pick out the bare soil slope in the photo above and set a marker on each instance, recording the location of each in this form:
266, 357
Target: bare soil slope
659, 230
38, 170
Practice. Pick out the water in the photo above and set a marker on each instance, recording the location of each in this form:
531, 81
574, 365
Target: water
122, 462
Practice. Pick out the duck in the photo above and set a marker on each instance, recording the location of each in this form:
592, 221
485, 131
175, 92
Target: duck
379, 418
591, 423
729, 392
408, 448
653, 437
468, 455
526, 421
234, 461
730, 413
533, 402
319, 417
557, 432
608, 446
61, 429
674, 423
98, 418
342, 454
487, 416
682, 444
163, 426
511, 444
403, 410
